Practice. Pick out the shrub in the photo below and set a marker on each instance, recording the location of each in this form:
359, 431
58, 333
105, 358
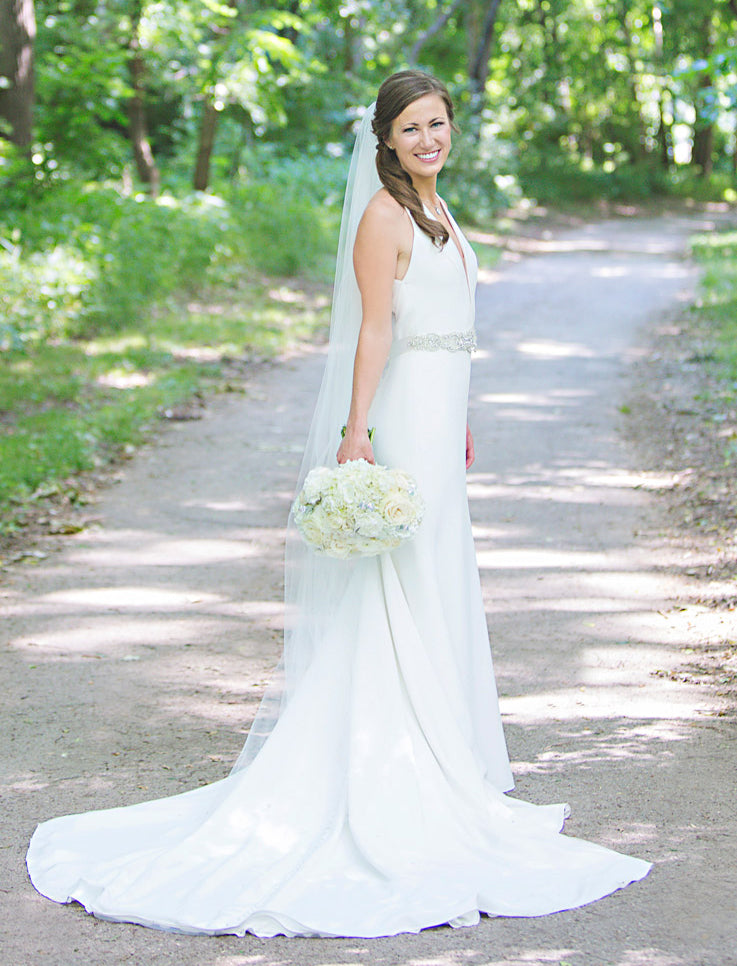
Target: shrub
87, 259
286, 211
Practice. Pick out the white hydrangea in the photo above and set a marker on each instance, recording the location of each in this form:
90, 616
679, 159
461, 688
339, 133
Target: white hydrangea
357, 509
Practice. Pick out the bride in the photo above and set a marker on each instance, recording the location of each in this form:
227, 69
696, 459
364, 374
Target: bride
369, 799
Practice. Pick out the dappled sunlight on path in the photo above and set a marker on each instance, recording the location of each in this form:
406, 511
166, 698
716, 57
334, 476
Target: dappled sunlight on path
136, 655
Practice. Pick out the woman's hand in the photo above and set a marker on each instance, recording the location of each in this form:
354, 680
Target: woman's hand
355, 446
470, 455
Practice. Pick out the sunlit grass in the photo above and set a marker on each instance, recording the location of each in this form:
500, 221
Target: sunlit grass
488, 251
716, 310
71, 406
241, 317
117, 309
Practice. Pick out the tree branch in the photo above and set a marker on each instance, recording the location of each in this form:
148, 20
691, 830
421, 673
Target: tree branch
433, 29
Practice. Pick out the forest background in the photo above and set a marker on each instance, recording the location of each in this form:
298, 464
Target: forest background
171, 176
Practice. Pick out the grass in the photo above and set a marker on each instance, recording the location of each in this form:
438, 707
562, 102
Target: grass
486, 247
118, 309
717, 306
68, 406
715, 315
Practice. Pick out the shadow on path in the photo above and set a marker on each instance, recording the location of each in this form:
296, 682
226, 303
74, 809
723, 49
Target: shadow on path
135, 657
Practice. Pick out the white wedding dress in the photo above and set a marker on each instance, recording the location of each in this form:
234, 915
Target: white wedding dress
376, 804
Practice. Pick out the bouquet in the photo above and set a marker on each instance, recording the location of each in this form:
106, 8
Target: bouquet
357, 509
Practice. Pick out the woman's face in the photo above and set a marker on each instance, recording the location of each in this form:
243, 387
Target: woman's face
420, 136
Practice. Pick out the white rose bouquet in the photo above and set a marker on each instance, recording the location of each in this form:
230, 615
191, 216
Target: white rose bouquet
357, 509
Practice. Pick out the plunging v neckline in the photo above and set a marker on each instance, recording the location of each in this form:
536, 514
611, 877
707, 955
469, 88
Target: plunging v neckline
456, 241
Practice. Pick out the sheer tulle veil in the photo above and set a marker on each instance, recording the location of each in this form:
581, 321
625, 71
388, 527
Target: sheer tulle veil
313, 584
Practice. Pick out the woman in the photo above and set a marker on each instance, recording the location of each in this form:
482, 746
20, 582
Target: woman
369, 799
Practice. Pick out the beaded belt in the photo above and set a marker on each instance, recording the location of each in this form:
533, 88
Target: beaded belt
433, 342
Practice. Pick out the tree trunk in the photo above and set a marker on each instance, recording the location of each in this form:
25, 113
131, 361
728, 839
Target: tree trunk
349, 46
142, 153
433, 29
17, 34
209, 119
205, 144
550, 54
665, 134
703, 134
478, 68
703, 149
640, 146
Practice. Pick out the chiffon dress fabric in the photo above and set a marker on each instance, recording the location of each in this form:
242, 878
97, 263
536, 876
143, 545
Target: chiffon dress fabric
376, 805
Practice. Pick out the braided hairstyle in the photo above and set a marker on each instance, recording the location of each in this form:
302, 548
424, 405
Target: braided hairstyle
395, 94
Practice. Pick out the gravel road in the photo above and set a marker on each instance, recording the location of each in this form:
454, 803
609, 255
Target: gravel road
135, 651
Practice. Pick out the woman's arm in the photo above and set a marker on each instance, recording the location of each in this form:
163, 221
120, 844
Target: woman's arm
381, 235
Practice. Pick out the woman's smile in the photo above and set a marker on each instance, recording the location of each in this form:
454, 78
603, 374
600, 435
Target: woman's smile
421, 137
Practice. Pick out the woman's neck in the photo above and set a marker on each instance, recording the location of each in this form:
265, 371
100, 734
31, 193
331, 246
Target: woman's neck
426, 188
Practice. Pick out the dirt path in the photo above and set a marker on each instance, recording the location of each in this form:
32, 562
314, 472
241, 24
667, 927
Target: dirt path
133, 657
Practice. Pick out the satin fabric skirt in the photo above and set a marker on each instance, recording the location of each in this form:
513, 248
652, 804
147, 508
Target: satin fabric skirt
376, 806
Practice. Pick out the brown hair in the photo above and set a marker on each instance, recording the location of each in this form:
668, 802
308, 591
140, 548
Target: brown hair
395, 94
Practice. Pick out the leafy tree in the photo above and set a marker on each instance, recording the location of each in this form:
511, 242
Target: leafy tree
551, 89
246, 56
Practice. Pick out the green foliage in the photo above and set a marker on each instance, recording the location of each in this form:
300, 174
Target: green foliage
60, 421
69, 406
240, 55
560, 181
717, 307
581, 96
18, 185
281, 234
43, 293
480, 180
81, 90
90, 259
286, 215
96, 259
716, 320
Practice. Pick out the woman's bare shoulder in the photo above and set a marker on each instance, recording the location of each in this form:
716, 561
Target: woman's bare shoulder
384, 210
384, 201
384, 218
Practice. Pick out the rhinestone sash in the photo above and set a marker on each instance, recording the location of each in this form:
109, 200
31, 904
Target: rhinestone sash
433, 342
